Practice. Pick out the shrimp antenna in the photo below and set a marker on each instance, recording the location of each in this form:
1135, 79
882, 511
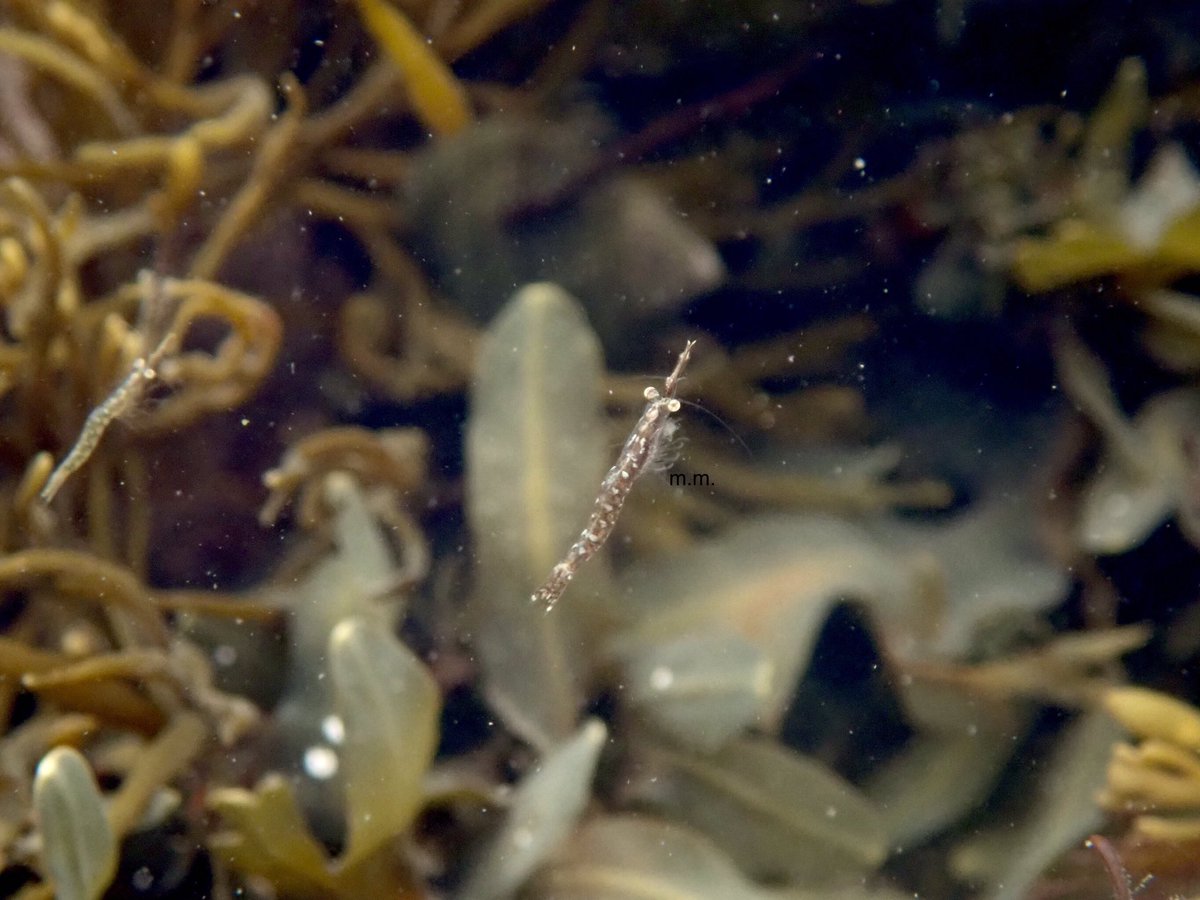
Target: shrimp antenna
712, 415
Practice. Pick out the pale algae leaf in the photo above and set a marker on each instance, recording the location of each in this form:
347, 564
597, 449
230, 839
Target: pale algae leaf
544, 810
700, 690
344, 584
772, 581
636, 857
535, 457
642, 858
1143, 477
1168, 193
1126, 500
78, 845
989, 564
1063, 811
389, 707
780, 815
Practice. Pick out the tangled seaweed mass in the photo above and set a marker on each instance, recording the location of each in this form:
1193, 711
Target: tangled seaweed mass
307, 314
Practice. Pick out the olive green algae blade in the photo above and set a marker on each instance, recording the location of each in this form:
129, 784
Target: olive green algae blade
639, 857
780, 815
940, 778
535, 456
1061, 811
389, 707
633, 857
78, 845
267, 836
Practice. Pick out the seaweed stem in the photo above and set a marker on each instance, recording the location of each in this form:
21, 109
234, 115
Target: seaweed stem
661, 132
1113, 865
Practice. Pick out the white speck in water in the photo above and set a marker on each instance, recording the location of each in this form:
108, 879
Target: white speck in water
142, 880
661, 678
860, 163
831, 812
333, 729
224, 655
320, 762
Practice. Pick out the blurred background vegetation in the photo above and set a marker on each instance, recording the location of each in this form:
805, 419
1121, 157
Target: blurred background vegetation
321, 322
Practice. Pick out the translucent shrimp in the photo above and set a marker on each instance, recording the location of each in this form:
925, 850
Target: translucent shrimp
641, 448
